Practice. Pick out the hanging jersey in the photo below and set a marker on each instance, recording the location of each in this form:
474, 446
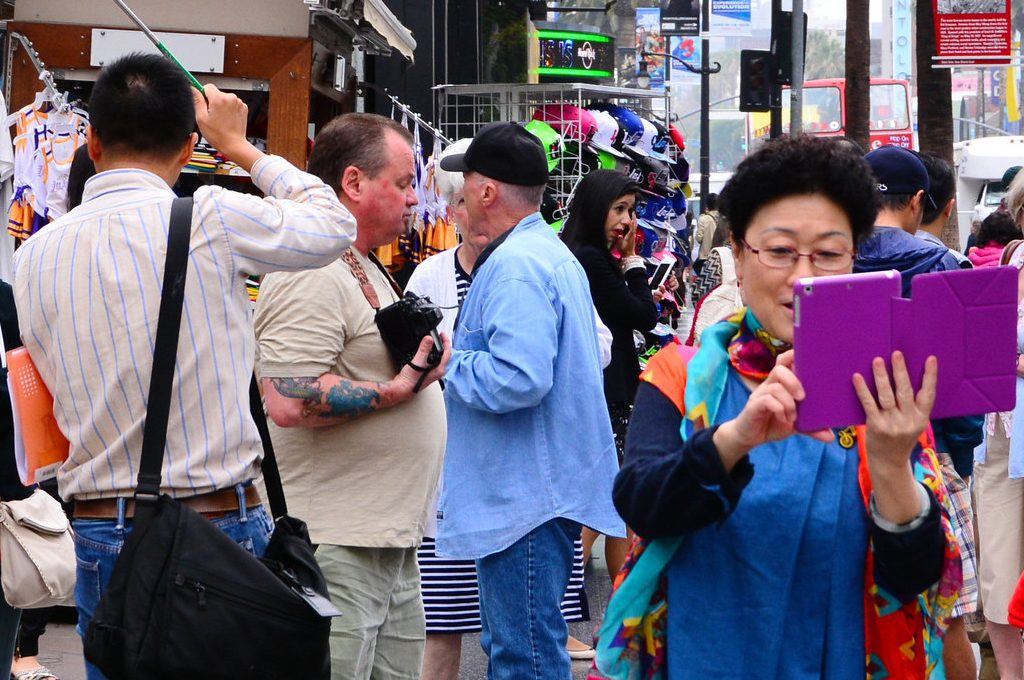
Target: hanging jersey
28, 186
44, 147
57, 157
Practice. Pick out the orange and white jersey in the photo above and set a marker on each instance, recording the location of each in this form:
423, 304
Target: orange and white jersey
57, 154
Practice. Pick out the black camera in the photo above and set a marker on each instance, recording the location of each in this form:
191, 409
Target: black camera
403, 324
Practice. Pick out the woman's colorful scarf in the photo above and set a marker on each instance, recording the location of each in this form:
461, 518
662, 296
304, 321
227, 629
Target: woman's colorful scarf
902, 641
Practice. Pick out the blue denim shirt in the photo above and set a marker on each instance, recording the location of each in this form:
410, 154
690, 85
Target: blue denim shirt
529, 438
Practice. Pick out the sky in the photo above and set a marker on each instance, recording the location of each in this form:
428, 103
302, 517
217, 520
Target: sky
830, 13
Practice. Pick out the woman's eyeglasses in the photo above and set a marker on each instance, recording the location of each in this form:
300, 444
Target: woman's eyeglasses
784, 257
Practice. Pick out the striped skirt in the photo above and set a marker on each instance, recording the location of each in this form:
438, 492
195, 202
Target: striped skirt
451, 598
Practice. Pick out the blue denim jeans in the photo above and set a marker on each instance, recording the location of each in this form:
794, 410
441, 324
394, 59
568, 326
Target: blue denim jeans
98, 542
9, 617
521, 588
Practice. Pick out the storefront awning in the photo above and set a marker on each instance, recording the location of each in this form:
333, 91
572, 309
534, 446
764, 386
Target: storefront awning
383, 20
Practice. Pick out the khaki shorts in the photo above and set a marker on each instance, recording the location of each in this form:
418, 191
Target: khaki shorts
381, 631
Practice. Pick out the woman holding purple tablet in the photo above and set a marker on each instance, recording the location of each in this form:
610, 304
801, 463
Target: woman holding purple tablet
785, 555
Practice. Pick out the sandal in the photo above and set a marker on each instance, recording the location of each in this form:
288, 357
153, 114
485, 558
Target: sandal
579, 650
40, 673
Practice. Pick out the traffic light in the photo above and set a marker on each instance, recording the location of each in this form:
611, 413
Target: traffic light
782, 46
755, 83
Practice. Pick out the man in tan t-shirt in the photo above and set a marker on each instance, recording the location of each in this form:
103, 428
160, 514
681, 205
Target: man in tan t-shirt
360, 450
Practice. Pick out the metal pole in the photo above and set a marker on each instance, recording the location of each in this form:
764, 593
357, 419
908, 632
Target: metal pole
705, 102
796, 94
775, 131
981, 99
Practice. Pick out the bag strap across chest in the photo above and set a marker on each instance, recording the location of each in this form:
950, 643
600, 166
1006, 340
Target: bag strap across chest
168, 328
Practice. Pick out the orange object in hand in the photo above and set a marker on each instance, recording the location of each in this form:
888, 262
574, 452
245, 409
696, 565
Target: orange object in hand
46, 447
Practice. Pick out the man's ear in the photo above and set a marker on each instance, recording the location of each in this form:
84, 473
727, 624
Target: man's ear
488, 192
948, 210
95, 145
917, 202
186, 151
351, 183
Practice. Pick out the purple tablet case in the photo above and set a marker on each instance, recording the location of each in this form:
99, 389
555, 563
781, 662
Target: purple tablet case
966, 318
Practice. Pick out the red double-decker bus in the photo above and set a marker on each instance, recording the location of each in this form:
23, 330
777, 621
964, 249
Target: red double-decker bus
824, 112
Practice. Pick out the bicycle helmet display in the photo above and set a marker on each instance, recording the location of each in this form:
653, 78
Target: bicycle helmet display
630, 122
569, 120
549, 139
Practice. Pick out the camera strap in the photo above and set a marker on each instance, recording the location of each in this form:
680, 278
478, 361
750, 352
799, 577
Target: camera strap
365, 285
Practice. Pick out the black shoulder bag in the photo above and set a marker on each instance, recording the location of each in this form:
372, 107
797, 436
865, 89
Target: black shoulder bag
185, 600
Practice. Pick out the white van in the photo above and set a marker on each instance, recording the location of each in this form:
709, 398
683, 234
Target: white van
980, 164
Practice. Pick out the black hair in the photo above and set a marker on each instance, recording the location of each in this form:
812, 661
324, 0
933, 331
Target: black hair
142, 104
850, 143
588, 212
710, 203
82, 168
942, 186
895, 202
795, 166
999, 228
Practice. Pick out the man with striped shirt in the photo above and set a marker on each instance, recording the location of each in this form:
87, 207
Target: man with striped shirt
88, 290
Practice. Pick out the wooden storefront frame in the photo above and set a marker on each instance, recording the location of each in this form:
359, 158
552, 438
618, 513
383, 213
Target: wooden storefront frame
285, 62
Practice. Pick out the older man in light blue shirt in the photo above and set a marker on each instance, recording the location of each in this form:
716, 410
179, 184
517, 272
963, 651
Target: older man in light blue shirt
530, 455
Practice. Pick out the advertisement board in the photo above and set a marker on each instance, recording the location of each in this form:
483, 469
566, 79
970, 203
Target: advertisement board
730, 18
972, 31
574, 54
650, 39
680, 17
686, 48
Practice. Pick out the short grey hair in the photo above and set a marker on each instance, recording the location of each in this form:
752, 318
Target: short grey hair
450, 184
1015, 196
522, 196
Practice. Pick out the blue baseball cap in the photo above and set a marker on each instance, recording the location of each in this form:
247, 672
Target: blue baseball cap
899, 171
655, 209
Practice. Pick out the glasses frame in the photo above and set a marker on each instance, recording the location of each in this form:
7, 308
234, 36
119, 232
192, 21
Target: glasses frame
810, 256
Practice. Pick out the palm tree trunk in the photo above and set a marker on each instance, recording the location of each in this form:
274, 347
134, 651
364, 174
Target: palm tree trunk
934, 105
858, 71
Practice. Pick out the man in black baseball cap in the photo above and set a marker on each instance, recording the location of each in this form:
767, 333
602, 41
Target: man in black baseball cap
517, 485
505, 152
505, 170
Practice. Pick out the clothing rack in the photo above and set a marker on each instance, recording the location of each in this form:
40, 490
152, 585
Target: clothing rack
396, 103
58, 98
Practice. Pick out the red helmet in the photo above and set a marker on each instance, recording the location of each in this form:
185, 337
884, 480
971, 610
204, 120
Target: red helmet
677, 136
570, 120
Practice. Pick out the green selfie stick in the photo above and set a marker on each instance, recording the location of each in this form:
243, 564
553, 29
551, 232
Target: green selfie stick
159, 45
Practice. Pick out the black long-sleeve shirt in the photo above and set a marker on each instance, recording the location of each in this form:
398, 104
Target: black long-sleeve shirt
669, 488
10, 483
625, 303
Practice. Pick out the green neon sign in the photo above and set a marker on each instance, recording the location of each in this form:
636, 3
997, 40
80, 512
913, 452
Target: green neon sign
553, 71
572, 35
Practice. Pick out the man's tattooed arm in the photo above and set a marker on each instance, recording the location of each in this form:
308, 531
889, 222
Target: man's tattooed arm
328, 399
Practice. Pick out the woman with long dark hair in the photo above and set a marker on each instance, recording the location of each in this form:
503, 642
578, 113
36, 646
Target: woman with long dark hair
601, 231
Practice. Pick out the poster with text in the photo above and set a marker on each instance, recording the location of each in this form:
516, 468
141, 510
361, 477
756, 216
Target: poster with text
686, 48
649, 40
680, 17
972, 31
730, 18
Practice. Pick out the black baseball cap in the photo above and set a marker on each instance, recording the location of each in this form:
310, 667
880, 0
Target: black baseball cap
505, 152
